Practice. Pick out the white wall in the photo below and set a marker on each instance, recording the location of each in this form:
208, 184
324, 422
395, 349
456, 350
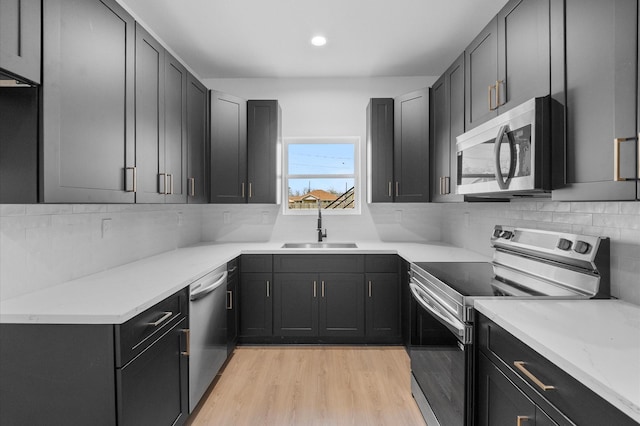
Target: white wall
321, 107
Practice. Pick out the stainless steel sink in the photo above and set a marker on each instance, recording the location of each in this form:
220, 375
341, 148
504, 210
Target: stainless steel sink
319, 245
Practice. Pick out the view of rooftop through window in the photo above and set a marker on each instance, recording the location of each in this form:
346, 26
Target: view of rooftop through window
321, 171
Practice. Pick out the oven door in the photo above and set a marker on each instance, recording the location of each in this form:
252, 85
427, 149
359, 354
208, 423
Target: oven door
441, 362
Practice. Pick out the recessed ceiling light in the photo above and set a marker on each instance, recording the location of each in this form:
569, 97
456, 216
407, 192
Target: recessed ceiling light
319, 41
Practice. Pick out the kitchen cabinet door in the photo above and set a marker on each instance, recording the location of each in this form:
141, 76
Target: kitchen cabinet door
383, 304
175, 130
153, 387
380, 150
295, 304
197, 113
601, 99
341, 305
88, 105
500, 402
524, 57
150, 131
20, 39
411, 147
455, 78
481, 71
233, 313
228, 148
264, 124
440, 139
255, 303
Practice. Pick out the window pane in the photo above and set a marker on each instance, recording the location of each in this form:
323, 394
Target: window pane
323, 158
332, 193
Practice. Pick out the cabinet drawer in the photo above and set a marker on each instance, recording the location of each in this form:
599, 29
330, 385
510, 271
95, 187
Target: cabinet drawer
577, 402
318, 263
256, 263
381, 263
139, 332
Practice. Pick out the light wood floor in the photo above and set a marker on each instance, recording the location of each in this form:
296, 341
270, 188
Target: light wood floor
290, 385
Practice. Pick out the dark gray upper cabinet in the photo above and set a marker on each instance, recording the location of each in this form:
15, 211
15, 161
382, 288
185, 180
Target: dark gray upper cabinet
228, 148
18, 145
87, 102
380, 150
411, 147
161, 125
264, 124
175, 130
601, 100
20, 39
447, 122
509, 61
197, 124
149, 118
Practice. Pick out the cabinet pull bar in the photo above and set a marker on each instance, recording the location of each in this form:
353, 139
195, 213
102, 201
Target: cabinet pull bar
187, 333
164, 317
315, 284
268, 289
390, 191
134, 186
491, 108
520, 419
229, 300
170, 183
520, 366
369, 288
192, 187
250, 192
397, 188
242, 184
616, 158
447, 185
162, 183
322, 289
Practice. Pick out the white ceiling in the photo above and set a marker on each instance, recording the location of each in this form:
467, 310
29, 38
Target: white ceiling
271, 38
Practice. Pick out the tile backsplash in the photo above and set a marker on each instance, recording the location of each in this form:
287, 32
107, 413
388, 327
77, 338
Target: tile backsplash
44, 245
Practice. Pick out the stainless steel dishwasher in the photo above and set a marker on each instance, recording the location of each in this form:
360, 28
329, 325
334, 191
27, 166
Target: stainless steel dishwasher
208, 336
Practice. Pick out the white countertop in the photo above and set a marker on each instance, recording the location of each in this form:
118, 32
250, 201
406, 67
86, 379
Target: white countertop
117, 295
595, 341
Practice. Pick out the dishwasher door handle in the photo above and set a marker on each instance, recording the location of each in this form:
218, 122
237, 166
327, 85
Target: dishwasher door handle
208, 289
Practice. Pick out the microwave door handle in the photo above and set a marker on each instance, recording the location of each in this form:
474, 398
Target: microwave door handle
502, 182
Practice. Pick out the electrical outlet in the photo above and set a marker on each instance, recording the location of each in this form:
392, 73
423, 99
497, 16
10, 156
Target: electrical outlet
180, 220
397, 215
226, 217
107, 225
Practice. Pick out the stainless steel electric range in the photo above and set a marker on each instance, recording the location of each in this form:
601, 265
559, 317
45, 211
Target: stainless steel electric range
527, 263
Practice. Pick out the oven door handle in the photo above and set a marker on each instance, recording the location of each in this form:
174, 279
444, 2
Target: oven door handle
431, 305
502, 182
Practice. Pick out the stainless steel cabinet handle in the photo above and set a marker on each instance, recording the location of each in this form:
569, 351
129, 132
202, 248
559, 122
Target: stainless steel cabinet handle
520, 366
170, 183
447, 185
520, 419
498, 103
397, 188
162, 183
242, 186
390, 191
229, 299
187, 333
134, 178
323, 289
164, 317
616, 157
268, 289
491, 107
250, 193
192, 187
315, 284
369, 288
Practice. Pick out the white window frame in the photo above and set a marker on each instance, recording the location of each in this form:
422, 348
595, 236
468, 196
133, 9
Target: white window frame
352, 140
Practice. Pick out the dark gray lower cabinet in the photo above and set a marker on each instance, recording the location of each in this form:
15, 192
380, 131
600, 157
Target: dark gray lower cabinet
341, 306
97, 374
255, 303
295, 304
383, 304
504, 392
502, 403
233, 313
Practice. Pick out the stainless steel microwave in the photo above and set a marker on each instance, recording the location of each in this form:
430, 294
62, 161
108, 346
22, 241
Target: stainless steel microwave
509, 155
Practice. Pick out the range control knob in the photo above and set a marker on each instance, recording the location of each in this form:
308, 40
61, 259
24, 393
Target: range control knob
496, 233
582, 247
506, 235
564, 244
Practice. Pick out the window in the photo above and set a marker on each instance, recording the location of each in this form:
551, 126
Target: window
321, 171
